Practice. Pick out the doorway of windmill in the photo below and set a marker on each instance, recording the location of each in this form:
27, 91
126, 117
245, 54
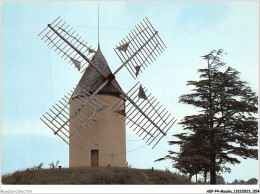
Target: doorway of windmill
94, 158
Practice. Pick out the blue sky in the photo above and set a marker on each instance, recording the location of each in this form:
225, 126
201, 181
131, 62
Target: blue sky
33, 77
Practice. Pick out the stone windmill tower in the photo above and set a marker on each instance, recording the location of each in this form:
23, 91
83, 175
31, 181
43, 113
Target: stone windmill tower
108, 134
91, 118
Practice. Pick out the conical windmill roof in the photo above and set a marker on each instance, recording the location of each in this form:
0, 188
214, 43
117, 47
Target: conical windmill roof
91, 79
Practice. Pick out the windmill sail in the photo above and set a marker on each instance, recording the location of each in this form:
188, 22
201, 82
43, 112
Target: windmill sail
66, 42
150, 130
82, 114
140, 47
123, 47
76, 63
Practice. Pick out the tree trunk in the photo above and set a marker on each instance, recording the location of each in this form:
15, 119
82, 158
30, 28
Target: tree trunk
212, 170
213, 178
211, 125
205, 176
196, 178
190, 176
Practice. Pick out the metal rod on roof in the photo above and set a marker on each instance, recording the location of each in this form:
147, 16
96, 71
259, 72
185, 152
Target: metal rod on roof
98, 25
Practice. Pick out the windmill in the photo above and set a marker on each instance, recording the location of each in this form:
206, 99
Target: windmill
91, 118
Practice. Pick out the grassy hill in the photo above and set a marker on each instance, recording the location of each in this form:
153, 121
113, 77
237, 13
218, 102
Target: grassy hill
90, 175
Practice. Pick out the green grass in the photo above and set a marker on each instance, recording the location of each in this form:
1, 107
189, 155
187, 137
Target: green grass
90, 175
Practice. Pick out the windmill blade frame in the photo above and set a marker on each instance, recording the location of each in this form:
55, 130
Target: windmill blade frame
140, 47
162, 121
55, 34
139, 51
63, 114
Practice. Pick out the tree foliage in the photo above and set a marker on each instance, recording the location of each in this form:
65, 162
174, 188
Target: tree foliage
224, 128
220, 180
252, 181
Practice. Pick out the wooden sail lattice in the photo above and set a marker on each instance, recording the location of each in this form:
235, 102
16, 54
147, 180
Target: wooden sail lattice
140, 47
82, 115
152, 108
68, 51
141, 111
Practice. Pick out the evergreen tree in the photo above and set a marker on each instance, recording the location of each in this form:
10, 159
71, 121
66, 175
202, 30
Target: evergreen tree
252, 181
189, 159
220, 180
226, 126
